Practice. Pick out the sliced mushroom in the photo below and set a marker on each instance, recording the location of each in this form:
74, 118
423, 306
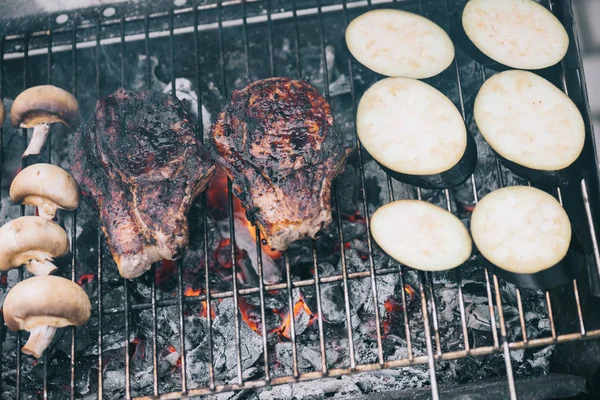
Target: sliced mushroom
47, 187
40, 305
40, 106
34, 242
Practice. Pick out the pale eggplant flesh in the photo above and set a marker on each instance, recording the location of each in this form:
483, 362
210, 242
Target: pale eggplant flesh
384, 41
416, 134
510, 34
562, 273
527, 238
533, 127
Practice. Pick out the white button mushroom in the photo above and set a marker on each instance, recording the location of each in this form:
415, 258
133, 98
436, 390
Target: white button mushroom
40, 305
40, 106
47, 187
32, 241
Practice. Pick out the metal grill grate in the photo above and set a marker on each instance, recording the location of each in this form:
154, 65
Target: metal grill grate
571, 76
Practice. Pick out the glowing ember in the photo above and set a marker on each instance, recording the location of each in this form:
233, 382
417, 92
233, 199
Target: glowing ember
250, 315
165, 272
356, 217
300, 307
3, 279
191, 292
393, 308
217, 200
86, 278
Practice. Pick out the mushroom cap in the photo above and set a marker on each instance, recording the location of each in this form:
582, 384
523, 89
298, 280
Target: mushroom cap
28, 238
2, 113
46, 300
48, 182
44, 104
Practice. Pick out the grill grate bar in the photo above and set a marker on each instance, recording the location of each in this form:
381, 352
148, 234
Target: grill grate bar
434, 314
521, 315
257, 234
153, 268
211, 372
419, 360
550, 314
125, 281
427, 332
182, 358
291, 316
2, 329
99, 243
22, 209
74, 218
373, 273
505, 348
319, 309
236, 314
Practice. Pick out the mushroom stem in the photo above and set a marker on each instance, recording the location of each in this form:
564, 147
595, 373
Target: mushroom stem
39, 339
40, 268
47, 210
40, 134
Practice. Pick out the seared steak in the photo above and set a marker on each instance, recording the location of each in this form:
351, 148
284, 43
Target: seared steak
139, 158
277, 143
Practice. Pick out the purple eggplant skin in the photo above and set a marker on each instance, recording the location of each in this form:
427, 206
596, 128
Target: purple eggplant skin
546, 179
563, 273
449, 179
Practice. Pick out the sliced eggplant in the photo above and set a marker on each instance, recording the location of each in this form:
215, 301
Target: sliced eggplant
415, 133
399, 43
526, 235
532, 125
514, 33
421, 235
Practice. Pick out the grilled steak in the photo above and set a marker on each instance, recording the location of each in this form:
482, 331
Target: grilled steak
277, 143
138, 157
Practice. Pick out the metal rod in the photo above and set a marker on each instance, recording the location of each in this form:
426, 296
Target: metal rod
550, 314
373, 273
319, 309
255, 290
236, 314
73, 223
419, 360
434, 315
461, 306
291, 316
22, 210
521, 315
182, 357
427, 334
261, 294
200, 134
505, 347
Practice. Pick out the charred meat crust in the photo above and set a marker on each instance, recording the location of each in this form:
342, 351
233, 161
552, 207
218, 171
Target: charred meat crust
138, 157
276, 141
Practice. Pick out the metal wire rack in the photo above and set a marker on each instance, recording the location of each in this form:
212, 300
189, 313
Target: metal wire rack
293, 13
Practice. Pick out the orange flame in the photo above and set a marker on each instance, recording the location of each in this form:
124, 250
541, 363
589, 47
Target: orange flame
393, 306
191, 292
250, 315
217, 199
299, 307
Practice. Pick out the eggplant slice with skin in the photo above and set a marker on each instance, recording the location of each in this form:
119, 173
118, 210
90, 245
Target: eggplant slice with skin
416, 134
534, 127
421, 235
399, 43
519, 34
526, 235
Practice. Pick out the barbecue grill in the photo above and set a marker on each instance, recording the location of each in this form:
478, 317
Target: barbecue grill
174, 334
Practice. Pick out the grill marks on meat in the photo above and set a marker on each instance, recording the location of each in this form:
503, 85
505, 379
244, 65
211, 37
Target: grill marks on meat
277, 143
139, 158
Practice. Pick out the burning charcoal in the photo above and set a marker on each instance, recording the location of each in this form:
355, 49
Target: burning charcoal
251, 343
283, 352
353, 230
326, 388
303, 316
245, 241
332, 303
